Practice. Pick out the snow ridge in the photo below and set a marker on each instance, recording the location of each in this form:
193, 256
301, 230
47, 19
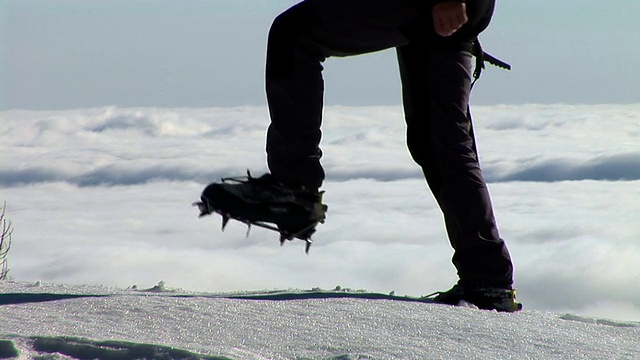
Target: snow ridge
164, 323
80, 348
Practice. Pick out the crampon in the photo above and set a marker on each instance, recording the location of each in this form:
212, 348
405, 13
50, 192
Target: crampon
292, 212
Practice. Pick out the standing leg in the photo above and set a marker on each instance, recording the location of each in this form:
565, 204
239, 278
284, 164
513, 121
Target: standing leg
299, 41
436, 86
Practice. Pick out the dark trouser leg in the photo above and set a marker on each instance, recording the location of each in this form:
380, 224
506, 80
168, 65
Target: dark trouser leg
299, 40
436, 88
435, 92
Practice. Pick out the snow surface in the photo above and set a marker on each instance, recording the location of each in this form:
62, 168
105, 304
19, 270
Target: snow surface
164, 323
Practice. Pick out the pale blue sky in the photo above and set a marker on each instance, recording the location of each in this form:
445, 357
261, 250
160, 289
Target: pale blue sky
61, 54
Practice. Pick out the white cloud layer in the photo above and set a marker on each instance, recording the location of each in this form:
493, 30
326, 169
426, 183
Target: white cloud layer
102, 196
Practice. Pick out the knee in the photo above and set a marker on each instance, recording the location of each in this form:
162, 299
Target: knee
418, 149
286, 38
293, 23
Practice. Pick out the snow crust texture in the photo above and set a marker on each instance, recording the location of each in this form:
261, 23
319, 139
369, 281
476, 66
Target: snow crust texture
108, 323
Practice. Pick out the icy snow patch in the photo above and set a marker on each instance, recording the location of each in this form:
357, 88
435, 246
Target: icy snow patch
205, 326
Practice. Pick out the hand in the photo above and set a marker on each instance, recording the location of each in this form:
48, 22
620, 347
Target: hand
449, 16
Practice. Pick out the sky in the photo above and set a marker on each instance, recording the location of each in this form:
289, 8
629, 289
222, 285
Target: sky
90, 322
67, 54
103, 196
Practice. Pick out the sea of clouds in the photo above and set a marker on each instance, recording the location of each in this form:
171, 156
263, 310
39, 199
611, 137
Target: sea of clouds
103, 196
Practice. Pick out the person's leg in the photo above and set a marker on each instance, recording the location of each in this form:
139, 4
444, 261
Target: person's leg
436, 86
300, 39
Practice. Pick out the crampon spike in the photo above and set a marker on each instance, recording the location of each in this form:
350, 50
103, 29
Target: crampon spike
248, 229
204, 208
225, 221
307, 246
282, 239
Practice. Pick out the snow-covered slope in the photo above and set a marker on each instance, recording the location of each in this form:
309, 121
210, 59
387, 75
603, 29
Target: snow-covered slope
165, 324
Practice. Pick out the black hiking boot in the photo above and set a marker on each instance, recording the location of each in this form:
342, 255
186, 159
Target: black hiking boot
488, 298
292, 211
